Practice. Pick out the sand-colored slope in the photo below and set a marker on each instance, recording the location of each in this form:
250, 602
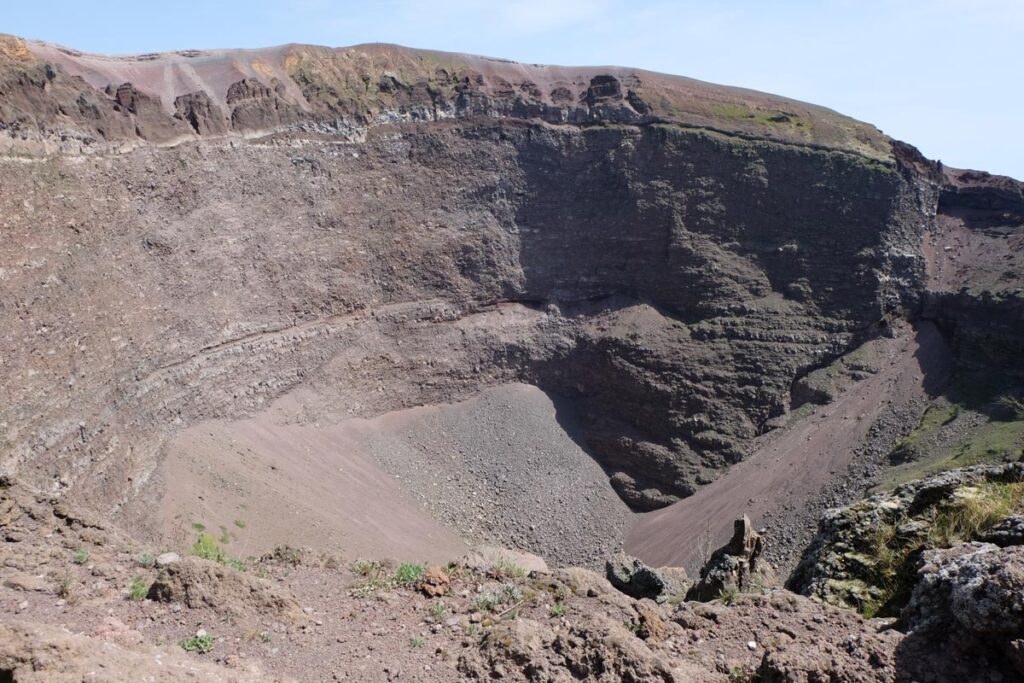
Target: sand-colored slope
791, 468
502, 467
297, 485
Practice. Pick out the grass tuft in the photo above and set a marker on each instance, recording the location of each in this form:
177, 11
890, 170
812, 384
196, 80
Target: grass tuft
201, 644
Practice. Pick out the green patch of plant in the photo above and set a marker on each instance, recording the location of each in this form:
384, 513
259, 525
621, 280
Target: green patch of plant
489, 601
199, 526
509, 569
240, 523
437, 612
145, 560
415, 643
80, 556
201, 644
728, 595
408, 573
973, 511
207, 548
138, 589
558, 609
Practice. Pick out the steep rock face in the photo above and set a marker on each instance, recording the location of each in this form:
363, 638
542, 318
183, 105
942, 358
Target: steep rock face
208, 293
975, 265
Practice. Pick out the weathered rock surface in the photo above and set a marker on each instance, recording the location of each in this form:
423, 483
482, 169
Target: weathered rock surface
844, 564
968, 603
197, 583
738, 566
634, 578
597, 649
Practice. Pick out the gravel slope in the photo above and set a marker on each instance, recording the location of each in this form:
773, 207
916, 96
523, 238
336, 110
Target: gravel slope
503, 468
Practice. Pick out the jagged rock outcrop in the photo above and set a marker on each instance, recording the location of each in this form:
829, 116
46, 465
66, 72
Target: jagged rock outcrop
636, 579
865, 556
736, 567
201, 113
969, 603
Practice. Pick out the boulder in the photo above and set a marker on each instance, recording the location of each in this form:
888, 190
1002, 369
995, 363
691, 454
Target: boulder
634, 578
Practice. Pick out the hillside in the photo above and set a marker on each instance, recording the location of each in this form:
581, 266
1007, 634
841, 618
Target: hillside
378, 302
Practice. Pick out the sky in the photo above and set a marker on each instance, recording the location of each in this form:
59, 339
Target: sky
944, 75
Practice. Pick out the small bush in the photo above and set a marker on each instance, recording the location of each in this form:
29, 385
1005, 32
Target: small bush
509, 569
415, 643
408, 574
81, 556
289, 555
207, 548
558, 609
489, 601
145, 560
366, 567
975, 510
437, 612
728, 595
197, 643
138, 589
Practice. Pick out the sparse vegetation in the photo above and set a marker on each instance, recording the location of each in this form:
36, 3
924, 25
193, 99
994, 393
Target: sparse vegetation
207, 547
728, 595
240, 523
558, 609
145, 560
415, 643
408, 574
81, 556
489, 601
973, 510
199, 526
138, 588
437, 612
289, 555
509, 570
201, 643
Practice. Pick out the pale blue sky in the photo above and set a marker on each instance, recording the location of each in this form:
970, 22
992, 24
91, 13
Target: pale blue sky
945, 75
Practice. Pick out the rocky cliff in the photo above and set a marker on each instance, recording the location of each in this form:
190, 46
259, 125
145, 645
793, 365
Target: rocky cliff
193, 235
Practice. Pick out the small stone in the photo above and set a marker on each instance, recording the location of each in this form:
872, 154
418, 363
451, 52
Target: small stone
751, 645
201, 633
165, 559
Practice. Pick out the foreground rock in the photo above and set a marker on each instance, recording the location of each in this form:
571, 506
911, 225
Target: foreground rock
864, 556
738, 566
634, 578
201, 583
970, 598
